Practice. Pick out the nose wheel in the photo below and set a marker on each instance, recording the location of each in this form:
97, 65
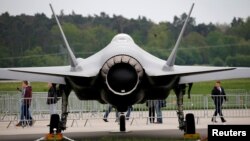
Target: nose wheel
122, 122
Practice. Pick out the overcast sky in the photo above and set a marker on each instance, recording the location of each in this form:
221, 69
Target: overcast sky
205, 11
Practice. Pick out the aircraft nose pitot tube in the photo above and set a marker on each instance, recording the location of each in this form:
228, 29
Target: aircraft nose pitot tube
122, 74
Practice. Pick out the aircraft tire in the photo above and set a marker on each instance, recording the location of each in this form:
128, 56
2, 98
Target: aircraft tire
54, 123
190, 124
122, 123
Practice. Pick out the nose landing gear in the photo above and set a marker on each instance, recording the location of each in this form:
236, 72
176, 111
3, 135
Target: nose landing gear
122, 122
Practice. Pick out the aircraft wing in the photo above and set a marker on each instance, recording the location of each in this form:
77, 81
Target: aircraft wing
55, 74
6, 74
183, 70
58, 71
235, 73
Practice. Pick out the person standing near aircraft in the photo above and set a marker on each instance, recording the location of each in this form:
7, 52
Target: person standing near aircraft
25, 105
130, 108
218, 95
158, 105
110, 107
151, 110
52, 98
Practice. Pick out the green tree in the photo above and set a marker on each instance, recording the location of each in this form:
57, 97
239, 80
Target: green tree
96, 38
217, 62
238, 61
159, 37
36, 57
196, 42
5, 61
240, 28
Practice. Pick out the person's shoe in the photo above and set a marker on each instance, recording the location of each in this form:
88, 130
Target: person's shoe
31, 123
127, 118
19, 124
158, 122
223, 120
213, 120
23, 125
105, 120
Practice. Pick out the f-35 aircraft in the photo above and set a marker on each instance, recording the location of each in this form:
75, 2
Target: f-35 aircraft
123, 74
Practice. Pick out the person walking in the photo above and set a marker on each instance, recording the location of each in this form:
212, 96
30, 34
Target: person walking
218, 95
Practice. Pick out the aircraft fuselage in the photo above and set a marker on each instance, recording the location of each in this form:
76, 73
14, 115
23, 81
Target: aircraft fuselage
147, 88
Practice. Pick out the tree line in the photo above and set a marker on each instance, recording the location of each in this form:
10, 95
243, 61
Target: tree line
27, 41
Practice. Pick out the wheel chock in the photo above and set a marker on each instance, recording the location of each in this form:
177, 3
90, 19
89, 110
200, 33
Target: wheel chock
192, 136
53, 137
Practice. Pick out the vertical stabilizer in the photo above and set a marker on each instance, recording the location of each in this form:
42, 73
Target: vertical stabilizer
171, 59
73, 61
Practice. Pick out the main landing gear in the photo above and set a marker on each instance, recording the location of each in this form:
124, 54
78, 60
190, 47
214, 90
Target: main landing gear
188, 125
54, 130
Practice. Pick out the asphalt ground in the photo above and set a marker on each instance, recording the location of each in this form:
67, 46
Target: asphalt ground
97, 129
167, 134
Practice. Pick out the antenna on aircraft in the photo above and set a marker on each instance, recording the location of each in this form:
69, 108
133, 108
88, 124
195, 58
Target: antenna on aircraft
171, 58
73, 61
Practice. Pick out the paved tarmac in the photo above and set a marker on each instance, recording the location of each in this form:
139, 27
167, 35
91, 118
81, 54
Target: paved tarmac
96, 129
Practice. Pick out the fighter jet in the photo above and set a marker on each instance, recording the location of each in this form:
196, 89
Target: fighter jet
123, 74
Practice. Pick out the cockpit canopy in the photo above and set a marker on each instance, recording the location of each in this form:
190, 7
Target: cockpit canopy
122, 38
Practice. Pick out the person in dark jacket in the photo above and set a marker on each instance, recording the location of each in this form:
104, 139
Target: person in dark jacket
218, 95
52, 98
151, 110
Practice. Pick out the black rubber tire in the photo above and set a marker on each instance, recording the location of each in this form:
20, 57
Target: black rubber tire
122, 123
190, 124
54, 123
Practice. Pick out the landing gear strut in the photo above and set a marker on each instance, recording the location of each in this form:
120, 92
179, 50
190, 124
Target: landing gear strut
180, 91
64, 115
189, 125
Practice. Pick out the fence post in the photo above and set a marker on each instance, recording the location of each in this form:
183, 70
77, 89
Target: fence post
205, 105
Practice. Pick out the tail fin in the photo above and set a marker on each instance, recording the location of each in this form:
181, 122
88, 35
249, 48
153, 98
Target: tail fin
171, 58
73, 61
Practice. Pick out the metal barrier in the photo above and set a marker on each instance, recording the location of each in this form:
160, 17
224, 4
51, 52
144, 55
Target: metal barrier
202, 106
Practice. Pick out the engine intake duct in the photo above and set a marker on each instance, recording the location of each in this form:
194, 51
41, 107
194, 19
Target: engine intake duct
122, 74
